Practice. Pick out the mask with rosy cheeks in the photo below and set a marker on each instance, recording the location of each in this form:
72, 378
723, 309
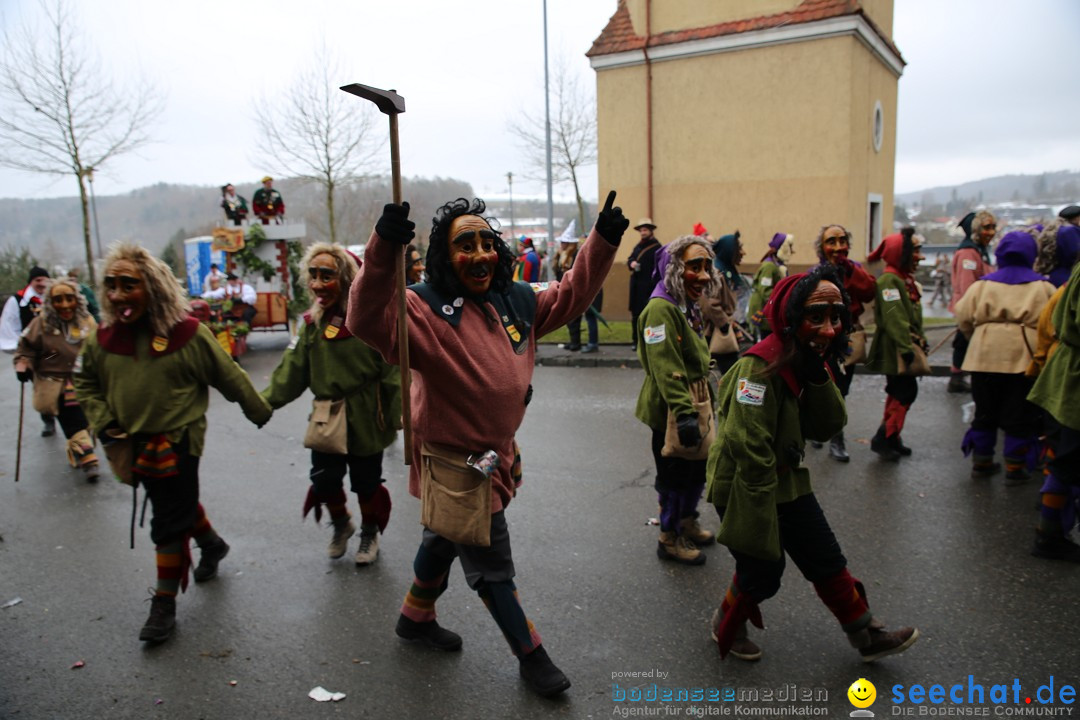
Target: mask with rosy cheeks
125, 289
64, 302
835, 245
472, 253
324, 281
695, 275
822, 318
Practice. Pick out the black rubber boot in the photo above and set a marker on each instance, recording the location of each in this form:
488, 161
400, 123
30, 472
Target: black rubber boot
837, 451
881, 445
541, 675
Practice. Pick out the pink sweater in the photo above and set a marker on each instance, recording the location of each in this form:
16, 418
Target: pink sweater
468, 385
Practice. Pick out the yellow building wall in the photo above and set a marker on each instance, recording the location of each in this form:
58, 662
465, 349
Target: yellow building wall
669, 15
763, 140
880, 12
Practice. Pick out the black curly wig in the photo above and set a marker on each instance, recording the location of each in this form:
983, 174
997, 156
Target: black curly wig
440, 272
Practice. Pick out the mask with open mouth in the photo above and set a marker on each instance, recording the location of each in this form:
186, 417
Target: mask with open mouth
324, 280
64, 302
835, 245
472, 253
822, 318
125, 289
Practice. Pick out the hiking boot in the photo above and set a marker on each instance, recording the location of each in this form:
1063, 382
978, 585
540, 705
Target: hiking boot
369, 547
957, 384
541, 675
883, 447
590, 348
339, 543
572, 347
49, 428
91, 471
817, 445
837, 451
982, 469
428, 633
899, 446
209, 557
1055, 547
679, 549
875, 642
692, 531
162, 621
743, 647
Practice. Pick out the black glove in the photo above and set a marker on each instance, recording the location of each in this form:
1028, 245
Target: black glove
812, 367
689, 434
395, 225
611, 223
908, 357
25, 375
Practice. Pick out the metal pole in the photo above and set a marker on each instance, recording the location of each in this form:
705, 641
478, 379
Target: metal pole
93, 206
547, 139
510, 182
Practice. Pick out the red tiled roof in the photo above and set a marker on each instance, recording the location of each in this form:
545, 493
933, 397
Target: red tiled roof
618, 35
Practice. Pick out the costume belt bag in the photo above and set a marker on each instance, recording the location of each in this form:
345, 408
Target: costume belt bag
699, 394
857, 347
327, 429
47, 391
455, 498
120, 451
919, 365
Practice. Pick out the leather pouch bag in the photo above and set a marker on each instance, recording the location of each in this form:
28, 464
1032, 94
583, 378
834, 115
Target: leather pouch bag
919, 365
724, 343
47, 391
857, 346
120, 451
327, 429
455, 498
699, 393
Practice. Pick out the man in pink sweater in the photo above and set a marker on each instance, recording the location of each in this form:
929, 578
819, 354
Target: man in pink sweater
971, 262
472, 343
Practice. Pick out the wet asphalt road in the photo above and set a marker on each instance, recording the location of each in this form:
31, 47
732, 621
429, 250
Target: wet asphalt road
934, 548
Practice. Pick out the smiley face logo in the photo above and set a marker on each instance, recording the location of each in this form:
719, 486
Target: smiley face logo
862, 693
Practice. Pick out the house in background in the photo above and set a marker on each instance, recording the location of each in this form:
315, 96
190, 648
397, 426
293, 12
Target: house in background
762, 115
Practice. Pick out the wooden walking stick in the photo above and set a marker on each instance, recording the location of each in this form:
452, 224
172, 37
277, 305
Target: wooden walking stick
943, 341
392, 104
18, 446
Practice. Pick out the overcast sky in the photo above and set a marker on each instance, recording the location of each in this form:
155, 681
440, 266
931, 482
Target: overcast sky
990, 87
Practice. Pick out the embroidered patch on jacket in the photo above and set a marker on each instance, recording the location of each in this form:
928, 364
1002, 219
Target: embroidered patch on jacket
890, 294
766, 282
749, 393
969, 265
294, 341
539, 287
655, 335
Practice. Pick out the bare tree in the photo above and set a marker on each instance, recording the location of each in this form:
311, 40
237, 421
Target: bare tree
62, 114
573, 134
316, 132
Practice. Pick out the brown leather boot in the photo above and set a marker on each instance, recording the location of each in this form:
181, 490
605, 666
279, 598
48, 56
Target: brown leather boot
743, 648
678, 549
692, 531
874, 641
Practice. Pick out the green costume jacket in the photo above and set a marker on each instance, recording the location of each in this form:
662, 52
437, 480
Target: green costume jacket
1058, 385
342, 367
150, 392
766, 278
673, 356
755, 462
897, 319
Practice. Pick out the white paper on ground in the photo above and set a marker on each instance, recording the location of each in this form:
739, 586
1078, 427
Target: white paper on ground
321, 694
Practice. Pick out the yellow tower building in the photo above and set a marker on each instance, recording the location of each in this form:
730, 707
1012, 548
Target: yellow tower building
759, 115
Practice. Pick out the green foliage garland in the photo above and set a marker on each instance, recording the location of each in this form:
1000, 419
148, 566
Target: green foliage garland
249, 262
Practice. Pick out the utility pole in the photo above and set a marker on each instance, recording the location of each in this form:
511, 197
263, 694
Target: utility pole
89, 172
547, 138
510, 182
